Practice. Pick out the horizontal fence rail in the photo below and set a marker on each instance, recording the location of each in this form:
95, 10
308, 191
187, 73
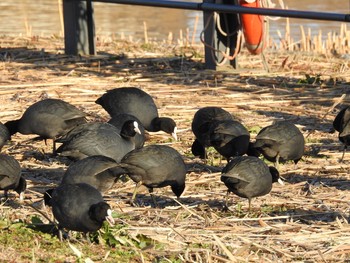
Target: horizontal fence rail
222, 8
80, 32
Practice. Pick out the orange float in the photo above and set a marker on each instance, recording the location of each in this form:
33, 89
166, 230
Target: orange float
253, 28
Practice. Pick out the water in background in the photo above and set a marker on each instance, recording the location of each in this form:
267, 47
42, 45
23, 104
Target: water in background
42, 17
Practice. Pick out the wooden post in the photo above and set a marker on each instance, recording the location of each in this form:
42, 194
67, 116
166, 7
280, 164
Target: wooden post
79, 35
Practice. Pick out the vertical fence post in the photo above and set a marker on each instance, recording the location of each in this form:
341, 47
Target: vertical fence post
78, 27
209, 37
91, 27
233, 27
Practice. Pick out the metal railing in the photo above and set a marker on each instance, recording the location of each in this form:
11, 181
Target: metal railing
79, 21
222, 8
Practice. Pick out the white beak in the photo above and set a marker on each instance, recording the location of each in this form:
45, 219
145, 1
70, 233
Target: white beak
137, 127
109, 217
174, 134
280, 181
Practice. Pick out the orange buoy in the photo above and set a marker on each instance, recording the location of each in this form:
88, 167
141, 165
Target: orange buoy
253, 28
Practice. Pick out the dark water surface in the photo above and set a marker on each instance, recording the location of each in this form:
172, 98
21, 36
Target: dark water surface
42, 17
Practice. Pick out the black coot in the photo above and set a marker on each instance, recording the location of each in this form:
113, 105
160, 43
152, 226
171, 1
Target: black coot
214, 126
99, 139
119, 120
10, 176
138, 103
230, 138
341, 124
156, 166
248, 177
79, 207
4, 135
98, 171
49, 118
280, 142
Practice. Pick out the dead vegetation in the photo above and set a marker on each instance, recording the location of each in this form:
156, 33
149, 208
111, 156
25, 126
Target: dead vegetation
305, 220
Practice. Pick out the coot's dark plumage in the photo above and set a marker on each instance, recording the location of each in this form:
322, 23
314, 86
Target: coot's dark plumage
341, 124
98, 171
249, 176
203, 119
119, 120
49, 118
4, 135
280, 142
10, 175
99, 139
138, 103
230, 138
156, 166
214, 126
79, 207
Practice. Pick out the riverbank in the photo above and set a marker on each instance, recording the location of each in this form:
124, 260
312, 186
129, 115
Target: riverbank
304, 220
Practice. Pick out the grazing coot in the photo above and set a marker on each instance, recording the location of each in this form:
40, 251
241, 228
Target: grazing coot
10, 176
119, 120
49, 118
79, 207
248, 177
99, 139
279, 142
140, 104
341, 124
98, 171
4, 135
214, 126
230, 138
156, 166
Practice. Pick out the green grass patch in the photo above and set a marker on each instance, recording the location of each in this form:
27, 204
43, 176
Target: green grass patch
38, 242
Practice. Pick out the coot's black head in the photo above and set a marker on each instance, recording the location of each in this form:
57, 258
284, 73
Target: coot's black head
100, 212
48, 196
342, 118
275, 175
165, 124
198, 149
12, 126
129, 129
178, 189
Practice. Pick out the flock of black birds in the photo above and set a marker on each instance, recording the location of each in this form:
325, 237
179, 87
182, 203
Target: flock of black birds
103, 152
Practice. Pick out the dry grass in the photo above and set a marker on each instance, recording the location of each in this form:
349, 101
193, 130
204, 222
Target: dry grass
305, 220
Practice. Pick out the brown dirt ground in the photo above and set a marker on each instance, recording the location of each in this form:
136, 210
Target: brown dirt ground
304, 220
